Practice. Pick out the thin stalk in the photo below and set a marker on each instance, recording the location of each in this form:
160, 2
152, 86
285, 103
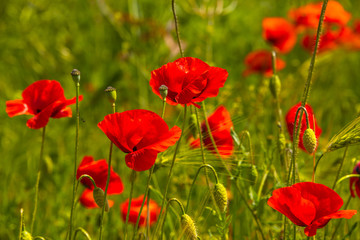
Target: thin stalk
167, 206
83, 231
133, 173
177, 27
163, 108
148, 216
172, 166
107, 181
77, 85
38, 180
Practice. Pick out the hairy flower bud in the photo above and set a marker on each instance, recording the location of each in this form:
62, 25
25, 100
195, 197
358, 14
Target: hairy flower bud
220, 195
188, 227
309, 140
98, 194
275, 86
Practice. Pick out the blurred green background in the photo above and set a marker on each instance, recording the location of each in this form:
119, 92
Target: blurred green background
119, 43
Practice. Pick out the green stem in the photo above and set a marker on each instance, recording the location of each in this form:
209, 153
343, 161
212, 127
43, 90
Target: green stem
163, 108
148, 215
85, 233
177, 27
193, 183
107, 181
172, 166
77, 85
38, 180
133, 174
339, 222
165, 214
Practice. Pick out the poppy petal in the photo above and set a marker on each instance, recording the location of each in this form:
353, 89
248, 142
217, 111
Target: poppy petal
141, 160
16, 107
42, 118
168, 139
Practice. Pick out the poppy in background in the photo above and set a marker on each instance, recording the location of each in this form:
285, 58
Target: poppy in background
42, 99
310, 205
141, 134
189, 80
355, 181
280, 33
154, 211
98, 170
220, 126
260, 61
290, 118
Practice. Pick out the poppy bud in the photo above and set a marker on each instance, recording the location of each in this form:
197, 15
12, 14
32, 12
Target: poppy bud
111, 93
220, 195
163, 91
98, 194
188, 226
281, 141
309, 140
193, 125
75, 75
275, 86
25, 235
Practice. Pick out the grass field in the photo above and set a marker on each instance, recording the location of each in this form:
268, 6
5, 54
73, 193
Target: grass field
119, 44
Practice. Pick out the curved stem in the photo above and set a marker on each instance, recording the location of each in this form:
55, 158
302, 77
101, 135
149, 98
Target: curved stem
177, 27
77, 85
317, 162
86, 176
165, 214
193, 183
133, 174
38, 180
107, 181
85, 233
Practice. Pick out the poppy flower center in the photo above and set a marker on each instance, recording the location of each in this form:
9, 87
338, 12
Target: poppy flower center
38, 110
134, 148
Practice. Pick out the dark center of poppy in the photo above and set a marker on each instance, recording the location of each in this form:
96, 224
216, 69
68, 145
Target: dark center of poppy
134, 148
38, 110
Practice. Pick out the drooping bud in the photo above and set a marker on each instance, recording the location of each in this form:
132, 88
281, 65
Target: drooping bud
25, 235
220, 195
163, 91
309, 140
75, 75
111, 93
99, 194
188, 227
193, 125
275, 86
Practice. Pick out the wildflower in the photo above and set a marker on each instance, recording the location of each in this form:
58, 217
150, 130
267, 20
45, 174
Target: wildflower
220, 127
154, 210
280, 33
260, 62
141, 134
98, 170
310, 205
42, 99
290, 119
355, 181
189, 80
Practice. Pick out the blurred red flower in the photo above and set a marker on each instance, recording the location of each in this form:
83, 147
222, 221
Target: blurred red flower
308, 204
87, 199
290, 118
328, 41
140, 133
220, 126
260, 62
43, 99
355, 181
189, 80
154, 211
98, 170
308, 16
280, 33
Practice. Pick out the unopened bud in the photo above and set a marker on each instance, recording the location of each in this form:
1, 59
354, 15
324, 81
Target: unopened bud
275, 86
25, 235
111, 93
99, 194
188, 227
309, 140
75, 75
220, 195
163, 91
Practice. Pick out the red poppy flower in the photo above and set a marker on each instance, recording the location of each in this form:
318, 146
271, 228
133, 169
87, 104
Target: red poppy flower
220, 126
279, 33
189, 80
154, 211
260, 62
43, 99
140, 133
355, 181
290, 118
308, 204
328, 41
87, 199
309, 15
98, 170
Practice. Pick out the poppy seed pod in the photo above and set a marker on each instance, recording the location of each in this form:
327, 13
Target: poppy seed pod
220, 195
111, 93
188, 226
98, 194
309, 140
163, 89
75, 75
275, 86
